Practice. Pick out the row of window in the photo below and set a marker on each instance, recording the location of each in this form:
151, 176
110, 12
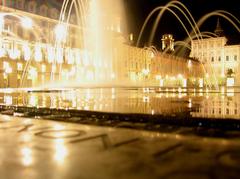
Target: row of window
227, 58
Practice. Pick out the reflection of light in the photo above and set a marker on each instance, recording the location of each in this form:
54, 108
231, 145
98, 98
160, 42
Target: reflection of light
60, 151
27, 159
26, 137
58, 127
153, 112
230, 92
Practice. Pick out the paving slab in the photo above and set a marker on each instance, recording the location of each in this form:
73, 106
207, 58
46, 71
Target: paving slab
41, 149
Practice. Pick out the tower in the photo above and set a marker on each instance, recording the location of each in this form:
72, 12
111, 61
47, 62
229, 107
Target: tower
168, 42
219, 31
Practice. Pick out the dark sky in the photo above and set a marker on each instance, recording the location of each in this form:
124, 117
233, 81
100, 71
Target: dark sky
137, 11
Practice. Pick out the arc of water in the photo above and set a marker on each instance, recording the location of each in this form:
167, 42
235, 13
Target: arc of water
186, 30
172, 4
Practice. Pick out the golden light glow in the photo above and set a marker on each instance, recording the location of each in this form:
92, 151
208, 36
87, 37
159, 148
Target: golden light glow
27, 23
38, 53
19, 66
1, 23
61, 33
26, 52
43, 68
61, 151
230, 82
33, 73
27, 159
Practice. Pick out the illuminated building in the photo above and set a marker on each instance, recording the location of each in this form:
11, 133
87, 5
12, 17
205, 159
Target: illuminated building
221, 61
167, 42
37, 50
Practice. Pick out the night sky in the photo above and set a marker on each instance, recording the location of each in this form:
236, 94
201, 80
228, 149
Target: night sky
137, 11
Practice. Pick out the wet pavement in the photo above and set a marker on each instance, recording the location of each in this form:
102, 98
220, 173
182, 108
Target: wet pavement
36, 148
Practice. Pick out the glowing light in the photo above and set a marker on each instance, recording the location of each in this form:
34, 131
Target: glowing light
27, 159
32, 73
131, 37
14, 53
19, 66
54, 68
2, 52
113, 76
230, 82
38, 53
27, 23
145, 71
33, 100
200, 83
60, 151
61, 33
26, 52
1, 23
51, 54
43, 68
158, 77
8, 100
161, 83
59, 55
189, 64
152, 55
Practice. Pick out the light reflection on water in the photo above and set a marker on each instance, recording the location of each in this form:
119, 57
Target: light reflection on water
197, 102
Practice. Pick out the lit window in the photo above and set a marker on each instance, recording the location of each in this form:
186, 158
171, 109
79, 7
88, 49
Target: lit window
5, 65
43, 68
19, 66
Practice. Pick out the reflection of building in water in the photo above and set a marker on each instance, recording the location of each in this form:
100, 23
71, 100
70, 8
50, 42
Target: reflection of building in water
220, 59
106, 100
219, 107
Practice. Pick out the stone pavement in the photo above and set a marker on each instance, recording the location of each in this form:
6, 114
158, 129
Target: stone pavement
42, 149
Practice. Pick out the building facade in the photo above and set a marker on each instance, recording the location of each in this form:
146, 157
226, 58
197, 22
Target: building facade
30, 56
220, 60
